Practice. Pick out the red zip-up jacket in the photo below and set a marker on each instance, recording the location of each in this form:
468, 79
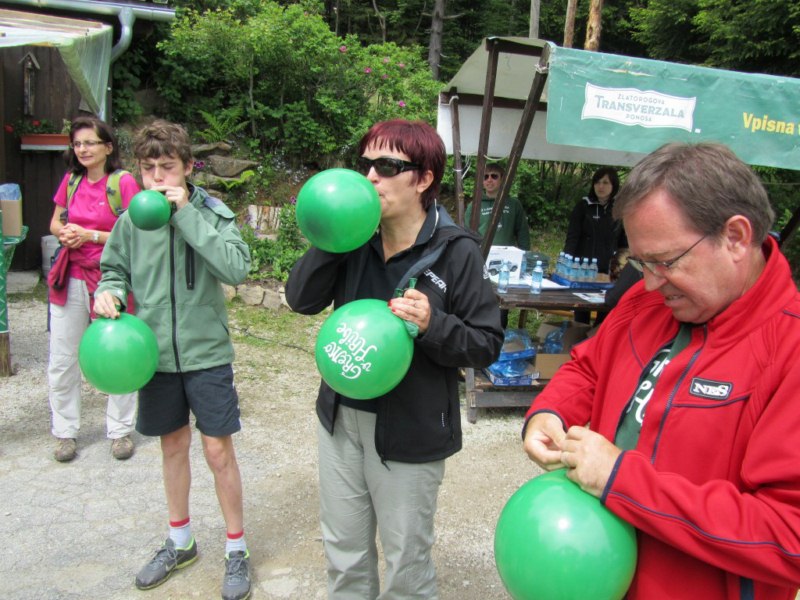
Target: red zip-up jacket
713, 485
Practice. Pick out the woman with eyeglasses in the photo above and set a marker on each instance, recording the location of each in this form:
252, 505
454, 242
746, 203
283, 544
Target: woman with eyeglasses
87, 203
592, 231
381, 461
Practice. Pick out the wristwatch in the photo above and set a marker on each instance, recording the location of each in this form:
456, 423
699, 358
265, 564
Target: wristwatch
96, 237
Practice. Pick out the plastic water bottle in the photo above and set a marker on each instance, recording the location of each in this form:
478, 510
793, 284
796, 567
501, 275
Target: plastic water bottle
593, 270
502, 279
575, 269
585, 269
560, 264
536, 278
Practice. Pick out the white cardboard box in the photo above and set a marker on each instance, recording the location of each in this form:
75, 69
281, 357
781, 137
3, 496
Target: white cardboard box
511, 254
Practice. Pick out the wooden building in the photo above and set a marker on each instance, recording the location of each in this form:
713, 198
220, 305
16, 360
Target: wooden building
55, 63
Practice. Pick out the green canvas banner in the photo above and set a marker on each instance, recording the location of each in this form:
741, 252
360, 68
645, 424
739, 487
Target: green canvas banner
636, 105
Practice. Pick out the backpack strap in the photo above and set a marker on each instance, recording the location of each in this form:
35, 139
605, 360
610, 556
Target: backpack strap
72, 185
113, 193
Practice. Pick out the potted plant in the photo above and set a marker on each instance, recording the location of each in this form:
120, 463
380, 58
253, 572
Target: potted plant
40, 133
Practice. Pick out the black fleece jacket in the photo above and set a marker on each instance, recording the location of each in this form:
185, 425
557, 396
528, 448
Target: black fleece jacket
419, 420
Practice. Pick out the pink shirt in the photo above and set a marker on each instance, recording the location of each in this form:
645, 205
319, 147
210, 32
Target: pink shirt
89, 208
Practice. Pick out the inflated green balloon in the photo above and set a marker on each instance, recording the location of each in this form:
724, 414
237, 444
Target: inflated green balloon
363, 350
149, 210
338, 210
554, 541
118, 356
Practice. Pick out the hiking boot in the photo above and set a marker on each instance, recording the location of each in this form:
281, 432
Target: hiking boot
236, 583
66, 449
167, 559
122, 448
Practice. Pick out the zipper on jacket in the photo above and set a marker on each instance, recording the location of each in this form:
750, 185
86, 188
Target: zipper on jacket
189, 267
675, 389
173, 305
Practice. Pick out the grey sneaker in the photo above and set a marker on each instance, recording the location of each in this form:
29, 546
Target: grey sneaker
66, 449
122, 448
236, 583
167, 559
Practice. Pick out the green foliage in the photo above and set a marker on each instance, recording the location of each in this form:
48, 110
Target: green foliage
305, 91
223, 127
275, 258
233, 183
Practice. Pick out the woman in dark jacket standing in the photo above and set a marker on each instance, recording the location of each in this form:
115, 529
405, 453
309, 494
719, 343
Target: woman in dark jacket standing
592, 231
381, 461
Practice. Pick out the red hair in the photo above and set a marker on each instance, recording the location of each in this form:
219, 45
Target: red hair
416, 139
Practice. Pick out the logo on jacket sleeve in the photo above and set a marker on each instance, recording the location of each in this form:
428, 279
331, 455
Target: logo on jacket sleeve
713, 390
436, 280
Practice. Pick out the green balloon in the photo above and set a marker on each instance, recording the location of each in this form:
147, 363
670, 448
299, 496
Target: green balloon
118, 356
363, 350
338, 210
553, 541
149, 210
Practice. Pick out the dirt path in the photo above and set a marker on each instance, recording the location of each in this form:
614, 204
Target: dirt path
81, 530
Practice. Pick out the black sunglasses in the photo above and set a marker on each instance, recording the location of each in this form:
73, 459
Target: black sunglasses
385, 166
491, 176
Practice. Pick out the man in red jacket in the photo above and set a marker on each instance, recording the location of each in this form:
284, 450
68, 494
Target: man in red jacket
682, 413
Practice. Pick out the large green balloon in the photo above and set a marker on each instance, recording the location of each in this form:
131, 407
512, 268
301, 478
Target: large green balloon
363, 350
338, 210
554, 541
118, 356
149, 210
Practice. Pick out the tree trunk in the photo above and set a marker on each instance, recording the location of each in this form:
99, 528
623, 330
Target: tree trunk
594, 26
533, 28
381, 21
569, 23
435, 45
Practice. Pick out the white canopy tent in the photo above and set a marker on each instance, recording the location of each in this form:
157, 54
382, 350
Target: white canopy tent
85, 47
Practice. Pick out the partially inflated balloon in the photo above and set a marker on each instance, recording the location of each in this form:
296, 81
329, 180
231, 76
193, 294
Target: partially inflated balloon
554, 541
338, 210
363, 350
149, 210
118, 356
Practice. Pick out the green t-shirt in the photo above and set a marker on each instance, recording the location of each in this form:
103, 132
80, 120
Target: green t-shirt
512, 229
631, 425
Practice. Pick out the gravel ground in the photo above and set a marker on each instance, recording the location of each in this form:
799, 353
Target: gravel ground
81, 530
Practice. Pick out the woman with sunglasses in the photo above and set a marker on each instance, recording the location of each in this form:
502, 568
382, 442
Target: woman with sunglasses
382, 460
86, 207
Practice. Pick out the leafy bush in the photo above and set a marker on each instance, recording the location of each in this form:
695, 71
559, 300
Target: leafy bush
275, 258
303, 90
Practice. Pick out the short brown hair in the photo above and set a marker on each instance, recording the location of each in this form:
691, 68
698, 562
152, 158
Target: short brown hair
416, 139
162, 138
708, 181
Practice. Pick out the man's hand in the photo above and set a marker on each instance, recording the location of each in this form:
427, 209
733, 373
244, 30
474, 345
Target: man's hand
542, 443
106, 305
589, 458
179, 196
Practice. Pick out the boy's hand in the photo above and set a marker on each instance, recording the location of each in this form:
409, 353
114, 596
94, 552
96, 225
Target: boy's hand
106, 305
178, 195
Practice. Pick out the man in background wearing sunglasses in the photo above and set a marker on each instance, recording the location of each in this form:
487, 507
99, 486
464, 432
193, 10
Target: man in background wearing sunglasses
512, 229
682, 413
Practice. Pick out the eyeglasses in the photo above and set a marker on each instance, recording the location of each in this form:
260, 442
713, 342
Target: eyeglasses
663, 265
385, 166
87, 144
491, 176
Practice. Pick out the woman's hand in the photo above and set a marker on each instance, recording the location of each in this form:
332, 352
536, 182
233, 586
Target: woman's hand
74, 236
413, 307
